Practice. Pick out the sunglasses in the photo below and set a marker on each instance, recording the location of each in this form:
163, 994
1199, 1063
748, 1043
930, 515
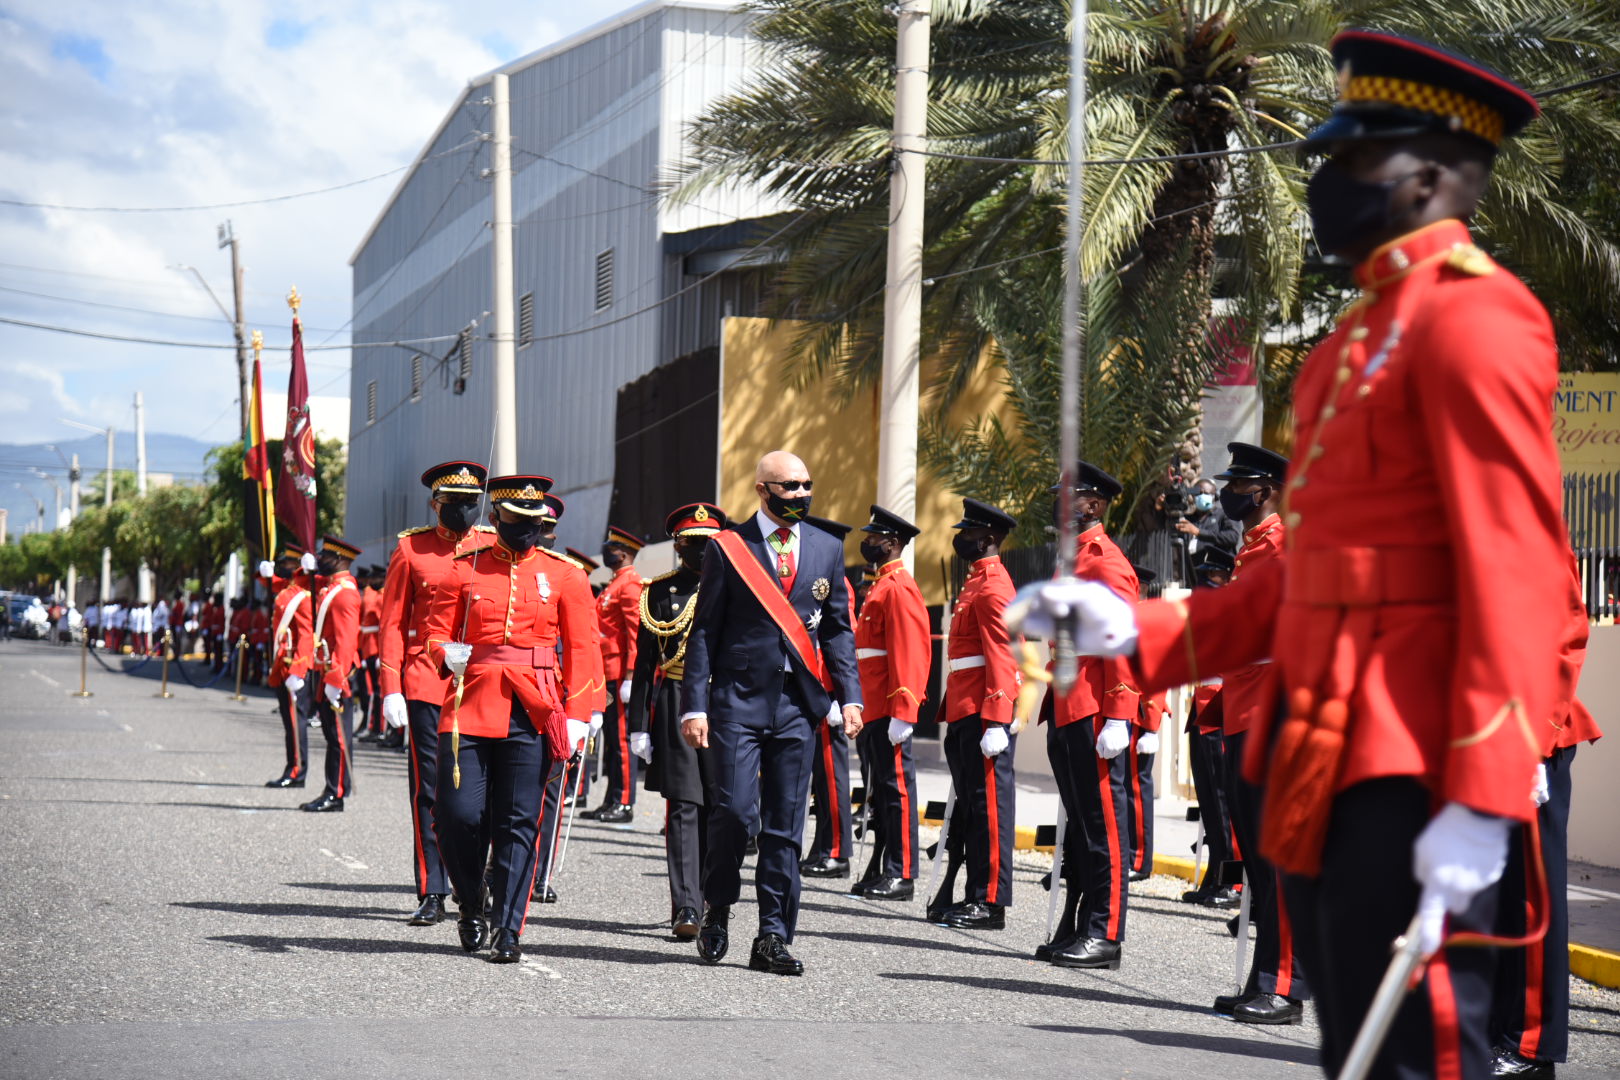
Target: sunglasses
790, 485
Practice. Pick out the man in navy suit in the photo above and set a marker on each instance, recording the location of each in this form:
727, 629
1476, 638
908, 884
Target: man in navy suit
773, 608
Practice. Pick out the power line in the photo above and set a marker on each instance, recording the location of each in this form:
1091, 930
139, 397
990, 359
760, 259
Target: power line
1238, 151
122, 307
78, 332
1610, 77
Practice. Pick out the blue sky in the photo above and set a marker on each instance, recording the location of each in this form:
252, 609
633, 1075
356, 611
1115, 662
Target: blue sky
175, 103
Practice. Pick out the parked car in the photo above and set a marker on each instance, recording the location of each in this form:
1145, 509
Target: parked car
28, 617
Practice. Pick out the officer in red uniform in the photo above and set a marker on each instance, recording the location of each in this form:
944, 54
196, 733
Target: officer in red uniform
240, 630
258, 640
894, 650
367, 700
1207, 758
979, 695
1151, 711
336, 635
495, 623
829, 767
291, 650
412, 686
619, 612
1415, 673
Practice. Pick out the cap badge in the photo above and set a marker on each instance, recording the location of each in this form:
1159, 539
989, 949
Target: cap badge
701, 515
529, 492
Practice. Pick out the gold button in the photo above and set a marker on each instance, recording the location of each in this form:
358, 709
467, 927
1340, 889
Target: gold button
1398, 257
1317, 451
1292, 520
1343, 374
1344, 353
1363, 391
1329, 412
1359, 333
1370, 296
1299, 481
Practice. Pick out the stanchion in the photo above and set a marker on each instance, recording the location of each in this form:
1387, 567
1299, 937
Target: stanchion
168, 650
84, 665
241, 643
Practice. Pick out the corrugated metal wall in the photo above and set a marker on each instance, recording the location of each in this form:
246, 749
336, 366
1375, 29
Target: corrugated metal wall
594, 128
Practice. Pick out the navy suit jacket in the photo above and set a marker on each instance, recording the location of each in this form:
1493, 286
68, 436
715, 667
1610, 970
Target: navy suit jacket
735, 653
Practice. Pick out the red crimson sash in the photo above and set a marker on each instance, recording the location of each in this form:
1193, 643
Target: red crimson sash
771, 598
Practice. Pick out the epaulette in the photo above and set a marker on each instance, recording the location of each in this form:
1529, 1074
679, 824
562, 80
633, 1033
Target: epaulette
570, 560
413, 532
560, 557
1470, 260
662, 577
484, 528
470, 553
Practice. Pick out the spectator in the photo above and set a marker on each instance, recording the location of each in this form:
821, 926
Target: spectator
1206, 524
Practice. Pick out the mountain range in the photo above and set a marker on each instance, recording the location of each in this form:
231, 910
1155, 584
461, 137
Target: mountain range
179, 456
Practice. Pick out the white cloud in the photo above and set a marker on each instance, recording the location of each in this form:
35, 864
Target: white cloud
194, 104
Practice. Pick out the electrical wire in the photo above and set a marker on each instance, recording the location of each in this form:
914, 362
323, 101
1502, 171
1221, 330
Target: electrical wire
1238, 151
122, 307
79, 332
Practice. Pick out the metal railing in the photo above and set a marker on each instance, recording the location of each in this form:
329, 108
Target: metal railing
1592, 512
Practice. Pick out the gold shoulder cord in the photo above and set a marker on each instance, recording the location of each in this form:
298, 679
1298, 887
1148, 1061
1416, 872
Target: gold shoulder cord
680, 626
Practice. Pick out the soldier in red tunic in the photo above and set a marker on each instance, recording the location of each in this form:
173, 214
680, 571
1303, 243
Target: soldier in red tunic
619, 609
336, 636
291, 651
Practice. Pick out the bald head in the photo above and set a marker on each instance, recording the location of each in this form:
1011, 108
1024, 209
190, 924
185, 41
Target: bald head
780, 465
781, 475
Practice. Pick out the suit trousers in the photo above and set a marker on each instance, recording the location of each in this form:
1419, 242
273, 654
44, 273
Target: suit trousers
1531, 1011
1275, 966
761, 779
986, 803
554, 818
834, 837
686, 842
1207, 758
294, 731
426, 863
1344, 930
1096, 795
1140, 772
618, 763
891, 799
493, 818
339, 738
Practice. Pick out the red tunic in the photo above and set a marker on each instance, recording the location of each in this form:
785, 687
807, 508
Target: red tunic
421, 558
1154, 708
336, 632
290, 652
893, 645
370, 623
1572, 723
241, 627
984, 689
619, 608
1424, 456
515, 610
1251, 690
259, 628
1105, 689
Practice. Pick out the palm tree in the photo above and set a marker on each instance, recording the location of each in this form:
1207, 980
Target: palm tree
1165, 79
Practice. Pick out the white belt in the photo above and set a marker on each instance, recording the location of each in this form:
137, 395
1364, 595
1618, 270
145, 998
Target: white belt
370, 629
870, 654
410, 633
962, 663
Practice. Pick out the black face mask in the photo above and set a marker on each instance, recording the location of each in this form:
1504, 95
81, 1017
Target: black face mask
874, 553
1235, 506
324, 566
691, 556
519, 536
458, 517
1344, 210
613, 558
787, 509
549, 541
968, 550
286, 569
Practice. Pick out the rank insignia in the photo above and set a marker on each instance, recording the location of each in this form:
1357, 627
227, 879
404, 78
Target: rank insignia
821, 589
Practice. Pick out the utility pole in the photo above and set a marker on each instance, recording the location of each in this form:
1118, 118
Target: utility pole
143, 579
73, 515
227, 238
504, 461
902, 304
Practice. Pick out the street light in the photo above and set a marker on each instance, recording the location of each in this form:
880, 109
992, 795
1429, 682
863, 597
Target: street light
73, 512
38, 525
206, 288
106, 500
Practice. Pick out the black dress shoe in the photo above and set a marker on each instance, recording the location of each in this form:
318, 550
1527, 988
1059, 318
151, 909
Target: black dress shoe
1224, 898
1140, 875
325, 803
1508, 1063
940, 910
1269, 1009
430, 912
1232, 925
685, 923
825, 866
286, 782
1089, 953
858, 888
394, 740
505, 949
770, 953
592, 815
616, 815
1063, 939
975, 915
1225, 1003
546, 894
368, 737
713, 936
580, 800
752, 847
474, 932
890, 888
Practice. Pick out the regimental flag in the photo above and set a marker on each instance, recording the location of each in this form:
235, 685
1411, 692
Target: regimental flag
259, 522
295, 501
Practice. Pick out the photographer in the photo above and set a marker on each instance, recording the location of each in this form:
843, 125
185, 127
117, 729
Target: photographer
1206, 524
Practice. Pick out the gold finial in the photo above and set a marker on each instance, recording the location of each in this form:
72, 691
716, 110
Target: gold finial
294, 300
258, 343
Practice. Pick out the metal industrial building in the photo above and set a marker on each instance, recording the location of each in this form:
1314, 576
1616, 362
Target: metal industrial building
612, 283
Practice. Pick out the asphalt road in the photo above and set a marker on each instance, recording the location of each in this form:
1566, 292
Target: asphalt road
168, 916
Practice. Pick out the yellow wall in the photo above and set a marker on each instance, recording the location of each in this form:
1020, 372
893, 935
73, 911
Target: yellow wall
759, 413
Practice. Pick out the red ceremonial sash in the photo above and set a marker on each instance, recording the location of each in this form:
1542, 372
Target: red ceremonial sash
771, 598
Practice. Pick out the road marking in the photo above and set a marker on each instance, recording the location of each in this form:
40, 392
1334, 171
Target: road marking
42, 677
537, 968
1596, 894
347, 860
103, 712
126, 727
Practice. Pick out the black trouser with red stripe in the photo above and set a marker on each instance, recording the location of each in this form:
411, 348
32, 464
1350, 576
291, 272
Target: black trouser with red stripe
891, 794
686, 842
1275, 967
1207, 756
1348, 916
985, 806
339, 737
294, 731
829, 783
554, 818
1096, 798
495, 812
427, 864
1531, 1014
1140, 771
618, 763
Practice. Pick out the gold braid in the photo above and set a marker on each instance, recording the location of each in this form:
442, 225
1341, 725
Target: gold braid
680, 626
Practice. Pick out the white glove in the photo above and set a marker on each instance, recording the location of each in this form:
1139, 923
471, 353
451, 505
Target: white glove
334, 694
994, 741
1113, 739
1458, 855
1542, 792
641, 745
267, 569
596, 723
456, 655
293, 684
394, 710
578, 731
624, 692
306, 563
899, 732
1104, 624
1147, 742
835, 717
